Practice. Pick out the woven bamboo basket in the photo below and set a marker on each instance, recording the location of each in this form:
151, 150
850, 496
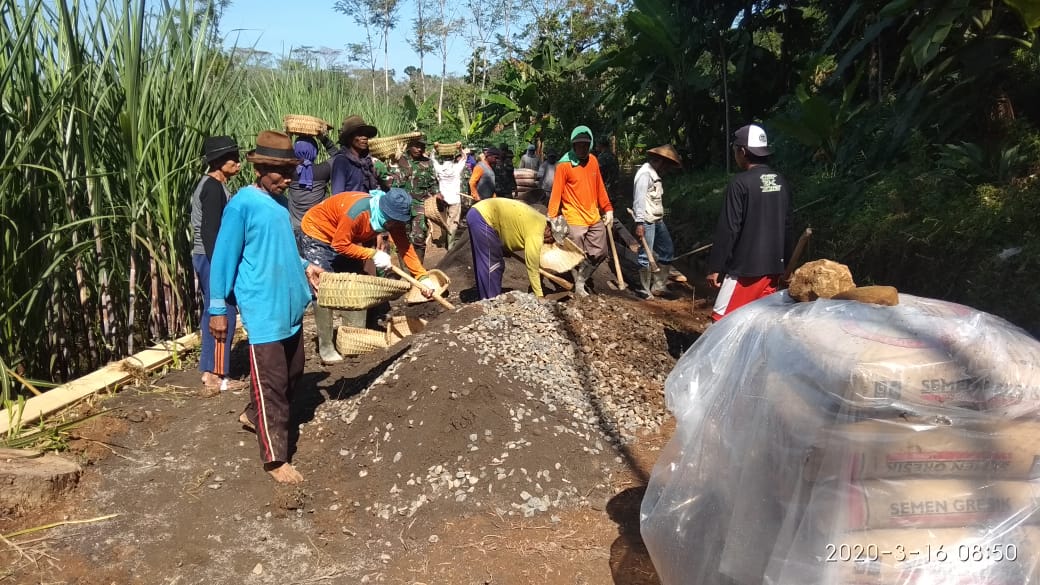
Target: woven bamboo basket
442, 282
346, 290
433, 213
356, 341
390, 147
447, 149
305, 125
561, 258
400, 327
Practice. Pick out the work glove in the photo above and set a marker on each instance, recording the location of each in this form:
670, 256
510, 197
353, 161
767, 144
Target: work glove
381, 259
430, 287
608, 218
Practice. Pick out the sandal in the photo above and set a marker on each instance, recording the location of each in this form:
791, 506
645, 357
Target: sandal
244, 421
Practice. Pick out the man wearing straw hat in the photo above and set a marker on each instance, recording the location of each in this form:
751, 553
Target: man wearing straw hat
255, 257
220, 153
339, 234
579, 195
353, 169
499, 224
648, 207
416, 175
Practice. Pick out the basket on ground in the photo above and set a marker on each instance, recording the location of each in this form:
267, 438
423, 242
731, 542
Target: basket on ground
390, 147
441, 282
401, 326
447, 149
305, 125
346, 290
561, 258
356, 341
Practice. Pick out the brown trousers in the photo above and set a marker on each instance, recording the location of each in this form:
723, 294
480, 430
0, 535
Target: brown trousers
592, 239
274, 369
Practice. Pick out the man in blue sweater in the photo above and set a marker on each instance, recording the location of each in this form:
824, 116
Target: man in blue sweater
255, 257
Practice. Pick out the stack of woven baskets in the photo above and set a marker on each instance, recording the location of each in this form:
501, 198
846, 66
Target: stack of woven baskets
305, 125
390, 147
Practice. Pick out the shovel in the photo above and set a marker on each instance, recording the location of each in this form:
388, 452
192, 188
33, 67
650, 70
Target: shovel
408, 278
649, 253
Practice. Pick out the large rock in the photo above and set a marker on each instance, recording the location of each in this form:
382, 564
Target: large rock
29, 480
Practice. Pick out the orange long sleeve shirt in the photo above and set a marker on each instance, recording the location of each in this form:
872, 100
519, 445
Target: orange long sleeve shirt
343, 222
578, 192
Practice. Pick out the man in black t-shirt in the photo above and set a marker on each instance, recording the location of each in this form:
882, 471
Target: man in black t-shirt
753, 238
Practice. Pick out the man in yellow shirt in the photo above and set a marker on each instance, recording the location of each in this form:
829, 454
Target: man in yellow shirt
499, 223
579, 195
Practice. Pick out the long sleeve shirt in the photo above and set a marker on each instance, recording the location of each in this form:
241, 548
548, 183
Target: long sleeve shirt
353, 173
647, 195
343, 222
301, 199
578, 192
207, 206
519, 227
754, 232
255, 257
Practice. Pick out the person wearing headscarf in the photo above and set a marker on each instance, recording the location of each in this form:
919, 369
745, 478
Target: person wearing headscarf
340, 235
310, 187
221, 156
354, 169
255, 258
579, 196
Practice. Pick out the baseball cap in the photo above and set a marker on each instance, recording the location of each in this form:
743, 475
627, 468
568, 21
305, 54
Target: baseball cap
753, 138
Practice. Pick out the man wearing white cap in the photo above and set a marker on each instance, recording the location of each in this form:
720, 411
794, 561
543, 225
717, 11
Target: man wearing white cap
753, 238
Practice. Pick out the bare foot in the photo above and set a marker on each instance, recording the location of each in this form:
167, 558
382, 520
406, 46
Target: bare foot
242, 418
284, 472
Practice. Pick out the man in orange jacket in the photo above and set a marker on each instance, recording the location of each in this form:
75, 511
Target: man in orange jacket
339, 234
579, 195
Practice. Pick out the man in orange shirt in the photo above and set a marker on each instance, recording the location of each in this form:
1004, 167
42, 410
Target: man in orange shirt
482, 181
579, 195
339, 234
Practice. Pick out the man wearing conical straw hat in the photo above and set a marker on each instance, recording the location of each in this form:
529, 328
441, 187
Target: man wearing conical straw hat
256, 242
648, 208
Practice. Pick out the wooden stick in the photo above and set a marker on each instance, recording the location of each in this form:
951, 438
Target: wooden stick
56, 524
617, 263
649, 253
549, 275
694, 251
799, 248
408, 278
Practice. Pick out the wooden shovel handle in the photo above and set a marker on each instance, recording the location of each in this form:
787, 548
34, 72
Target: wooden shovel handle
617, 263
799, 249
649, 253
549, 275
408, 278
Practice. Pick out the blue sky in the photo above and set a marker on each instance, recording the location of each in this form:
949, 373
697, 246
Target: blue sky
278, 27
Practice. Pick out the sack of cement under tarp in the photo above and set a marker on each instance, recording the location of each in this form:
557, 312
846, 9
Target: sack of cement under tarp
841, 442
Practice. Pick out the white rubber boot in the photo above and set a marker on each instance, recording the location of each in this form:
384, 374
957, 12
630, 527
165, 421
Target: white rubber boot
326, 346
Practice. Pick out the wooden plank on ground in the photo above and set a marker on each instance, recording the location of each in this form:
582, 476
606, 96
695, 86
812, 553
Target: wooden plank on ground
111, 375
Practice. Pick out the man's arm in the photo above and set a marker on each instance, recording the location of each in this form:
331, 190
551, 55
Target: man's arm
556, 197
340, 175
474, 180
343, 240
407, 252
727, 231
639, 190
213, 202
227, 254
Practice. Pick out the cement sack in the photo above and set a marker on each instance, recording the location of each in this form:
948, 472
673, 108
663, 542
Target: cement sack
841, 506
879, 449
948, 556
732, 496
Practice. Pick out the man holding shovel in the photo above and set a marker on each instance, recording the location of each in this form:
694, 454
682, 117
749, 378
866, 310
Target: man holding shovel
753, 238
579, 195
339, 235
648, 212
255, 257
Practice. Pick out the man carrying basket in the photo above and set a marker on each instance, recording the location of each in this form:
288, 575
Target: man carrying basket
339, 235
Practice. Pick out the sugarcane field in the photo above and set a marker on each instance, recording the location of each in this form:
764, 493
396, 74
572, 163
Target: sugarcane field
575, 292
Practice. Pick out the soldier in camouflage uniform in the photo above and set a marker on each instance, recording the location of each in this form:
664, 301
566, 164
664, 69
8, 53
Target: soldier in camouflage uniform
416, 175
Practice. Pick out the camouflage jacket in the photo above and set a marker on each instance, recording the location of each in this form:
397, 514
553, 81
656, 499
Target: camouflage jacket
416, 176
505, 180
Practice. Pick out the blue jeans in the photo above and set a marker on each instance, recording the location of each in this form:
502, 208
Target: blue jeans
660, 241
201, 264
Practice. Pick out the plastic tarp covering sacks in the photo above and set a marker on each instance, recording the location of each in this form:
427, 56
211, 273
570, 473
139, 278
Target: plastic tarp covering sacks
836, 442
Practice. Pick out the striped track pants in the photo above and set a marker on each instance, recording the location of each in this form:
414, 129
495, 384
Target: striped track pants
274, 369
